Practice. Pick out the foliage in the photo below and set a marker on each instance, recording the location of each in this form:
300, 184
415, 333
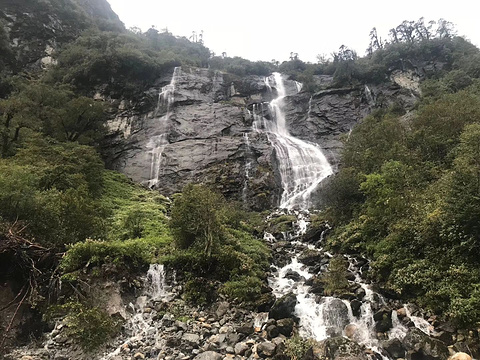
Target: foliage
233, 255
408, 199
335, 280
296, 347
90, 326
241, 67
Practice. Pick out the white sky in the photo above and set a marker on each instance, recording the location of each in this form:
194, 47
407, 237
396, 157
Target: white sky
267, 29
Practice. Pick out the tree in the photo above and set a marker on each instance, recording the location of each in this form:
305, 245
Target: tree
197, 219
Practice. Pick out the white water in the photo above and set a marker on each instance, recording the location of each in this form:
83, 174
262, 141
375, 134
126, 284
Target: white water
248, 166
419, 322
156, 144
141, 323
302, 165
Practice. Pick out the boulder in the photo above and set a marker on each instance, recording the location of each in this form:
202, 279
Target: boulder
335, 315
335, 348
285, 326
241, 348
284, 307
419, 346
266, 349
383, 320
394, 348
310, 257
460, 356
208, 355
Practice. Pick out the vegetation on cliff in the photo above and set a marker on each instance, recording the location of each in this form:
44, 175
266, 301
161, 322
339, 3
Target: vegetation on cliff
408, 192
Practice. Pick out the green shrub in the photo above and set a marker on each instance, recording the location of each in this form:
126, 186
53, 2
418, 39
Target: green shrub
89, 326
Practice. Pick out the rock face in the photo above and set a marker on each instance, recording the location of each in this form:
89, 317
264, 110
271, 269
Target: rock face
204, 133
37, 28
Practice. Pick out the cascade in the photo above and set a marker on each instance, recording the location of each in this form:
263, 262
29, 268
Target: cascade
157, 142
369, 95
141, 323
248, 166
302, 165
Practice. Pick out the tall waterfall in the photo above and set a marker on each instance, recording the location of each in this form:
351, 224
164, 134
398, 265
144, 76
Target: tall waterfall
156, 144
302, 165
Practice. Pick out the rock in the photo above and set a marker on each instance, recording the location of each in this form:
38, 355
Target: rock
310, 257
285, 326
272, 331
246, 328
241, 348
222, 309
383, 320
208, 355
192, 339
360, 293
139, 355
356, 307
419, 345
335, 348
460, 356
401, 313
292, 275
266, 349
283, 307
230, 350
394, 347
350, 331
335, 315
265, 302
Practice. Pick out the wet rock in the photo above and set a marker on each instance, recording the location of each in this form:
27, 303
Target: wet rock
419, 346
208, 355
310, 257
265, 302
350, 331
360, 293
283, 307
356, 307
335, 348
335, 315
266, 349
383, 320
285, 326
292, 275
394, 347
272, 331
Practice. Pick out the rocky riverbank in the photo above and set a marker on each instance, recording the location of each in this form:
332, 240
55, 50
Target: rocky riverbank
309, 320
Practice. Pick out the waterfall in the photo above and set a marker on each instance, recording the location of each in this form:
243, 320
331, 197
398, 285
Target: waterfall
369, 96
301, 164
248, 166
143, 322
156, 144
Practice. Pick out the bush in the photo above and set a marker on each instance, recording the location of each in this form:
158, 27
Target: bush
89, 326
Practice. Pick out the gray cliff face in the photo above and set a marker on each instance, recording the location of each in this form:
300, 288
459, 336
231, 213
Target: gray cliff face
206, 132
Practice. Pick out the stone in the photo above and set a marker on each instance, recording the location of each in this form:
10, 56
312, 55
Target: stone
292, 275
192, 339
350, 331
394, 347
335, 316
222, 309
139, 355
356, 307
272, 331
285, 326
335, 348
246, 328
266, 349
383, 320
420, 345
241, 348
284, 307
208, 355
460, 356
310, 257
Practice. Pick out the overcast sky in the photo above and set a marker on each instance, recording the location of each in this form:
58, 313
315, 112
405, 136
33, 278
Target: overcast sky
267, 29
